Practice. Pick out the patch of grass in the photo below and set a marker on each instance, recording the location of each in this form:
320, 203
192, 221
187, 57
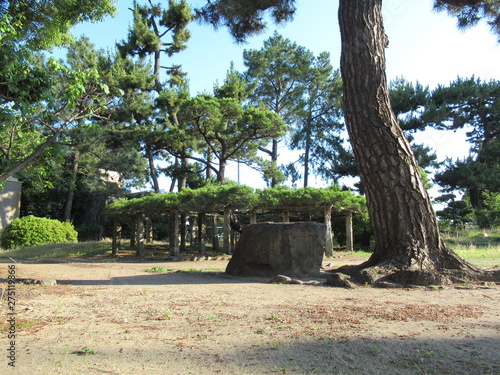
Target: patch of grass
375, 349
222, 268
84, 351
157, 269
22, 324
478, 246
26, 324
483, 256
427, 353
274, 318
81, 249
473, 235
191, 270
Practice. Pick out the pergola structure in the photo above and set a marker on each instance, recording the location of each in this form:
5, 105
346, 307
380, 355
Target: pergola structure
224, 199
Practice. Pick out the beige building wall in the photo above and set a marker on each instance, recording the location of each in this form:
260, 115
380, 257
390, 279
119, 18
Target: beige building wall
10, 202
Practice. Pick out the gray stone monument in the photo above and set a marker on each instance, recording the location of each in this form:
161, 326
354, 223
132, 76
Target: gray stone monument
268, 249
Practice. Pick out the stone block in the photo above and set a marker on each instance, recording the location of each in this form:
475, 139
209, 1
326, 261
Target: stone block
268, 249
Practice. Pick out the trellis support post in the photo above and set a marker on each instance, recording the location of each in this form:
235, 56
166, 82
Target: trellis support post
349, 234
328, 231
141, 248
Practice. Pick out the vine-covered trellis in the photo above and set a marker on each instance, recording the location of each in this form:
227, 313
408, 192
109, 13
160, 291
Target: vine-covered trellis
226, 198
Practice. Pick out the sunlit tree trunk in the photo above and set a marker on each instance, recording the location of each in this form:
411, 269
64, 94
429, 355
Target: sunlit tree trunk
405, 227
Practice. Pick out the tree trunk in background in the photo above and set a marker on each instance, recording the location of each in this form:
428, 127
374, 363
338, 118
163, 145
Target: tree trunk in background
152, 170
221, 175
274, 160
405, 227
71, 190
174, 179
307, 152
209, 164
182, 179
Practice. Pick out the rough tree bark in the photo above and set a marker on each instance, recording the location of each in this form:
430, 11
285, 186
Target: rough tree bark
405, 226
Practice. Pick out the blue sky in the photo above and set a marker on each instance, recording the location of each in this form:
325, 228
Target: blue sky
423, 45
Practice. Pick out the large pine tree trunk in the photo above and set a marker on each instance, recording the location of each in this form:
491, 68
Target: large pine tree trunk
404, 223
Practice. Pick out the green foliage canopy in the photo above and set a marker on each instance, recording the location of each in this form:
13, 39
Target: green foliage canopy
43, 24
469, 13
217, 197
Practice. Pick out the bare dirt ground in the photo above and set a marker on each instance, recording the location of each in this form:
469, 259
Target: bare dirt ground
116, 318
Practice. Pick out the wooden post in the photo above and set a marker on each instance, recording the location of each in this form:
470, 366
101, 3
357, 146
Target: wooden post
175, 234
201, 232
183, 231
348, 235
189, 230
328, 235
133, 231
149, 230
286, 216
253, 217
117, 236
215, 237
227, 231
141, 249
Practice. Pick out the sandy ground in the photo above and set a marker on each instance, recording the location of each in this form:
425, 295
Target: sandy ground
116, 318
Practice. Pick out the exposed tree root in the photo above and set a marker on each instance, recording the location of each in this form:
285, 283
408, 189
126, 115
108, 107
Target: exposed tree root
386, 276
440, 267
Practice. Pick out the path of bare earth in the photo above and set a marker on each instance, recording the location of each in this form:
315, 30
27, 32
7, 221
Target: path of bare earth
116, 318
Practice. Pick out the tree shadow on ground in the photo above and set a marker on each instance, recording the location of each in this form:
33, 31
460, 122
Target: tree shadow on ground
325, 356
170, 278
399, 356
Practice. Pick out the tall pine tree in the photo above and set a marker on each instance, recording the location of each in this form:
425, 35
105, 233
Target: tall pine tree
405, 227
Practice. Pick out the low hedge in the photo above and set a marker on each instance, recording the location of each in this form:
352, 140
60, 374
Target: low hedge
31, 230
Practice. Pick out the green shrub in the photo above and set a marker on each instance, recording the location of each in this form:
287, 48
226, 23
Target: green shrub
31, 230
